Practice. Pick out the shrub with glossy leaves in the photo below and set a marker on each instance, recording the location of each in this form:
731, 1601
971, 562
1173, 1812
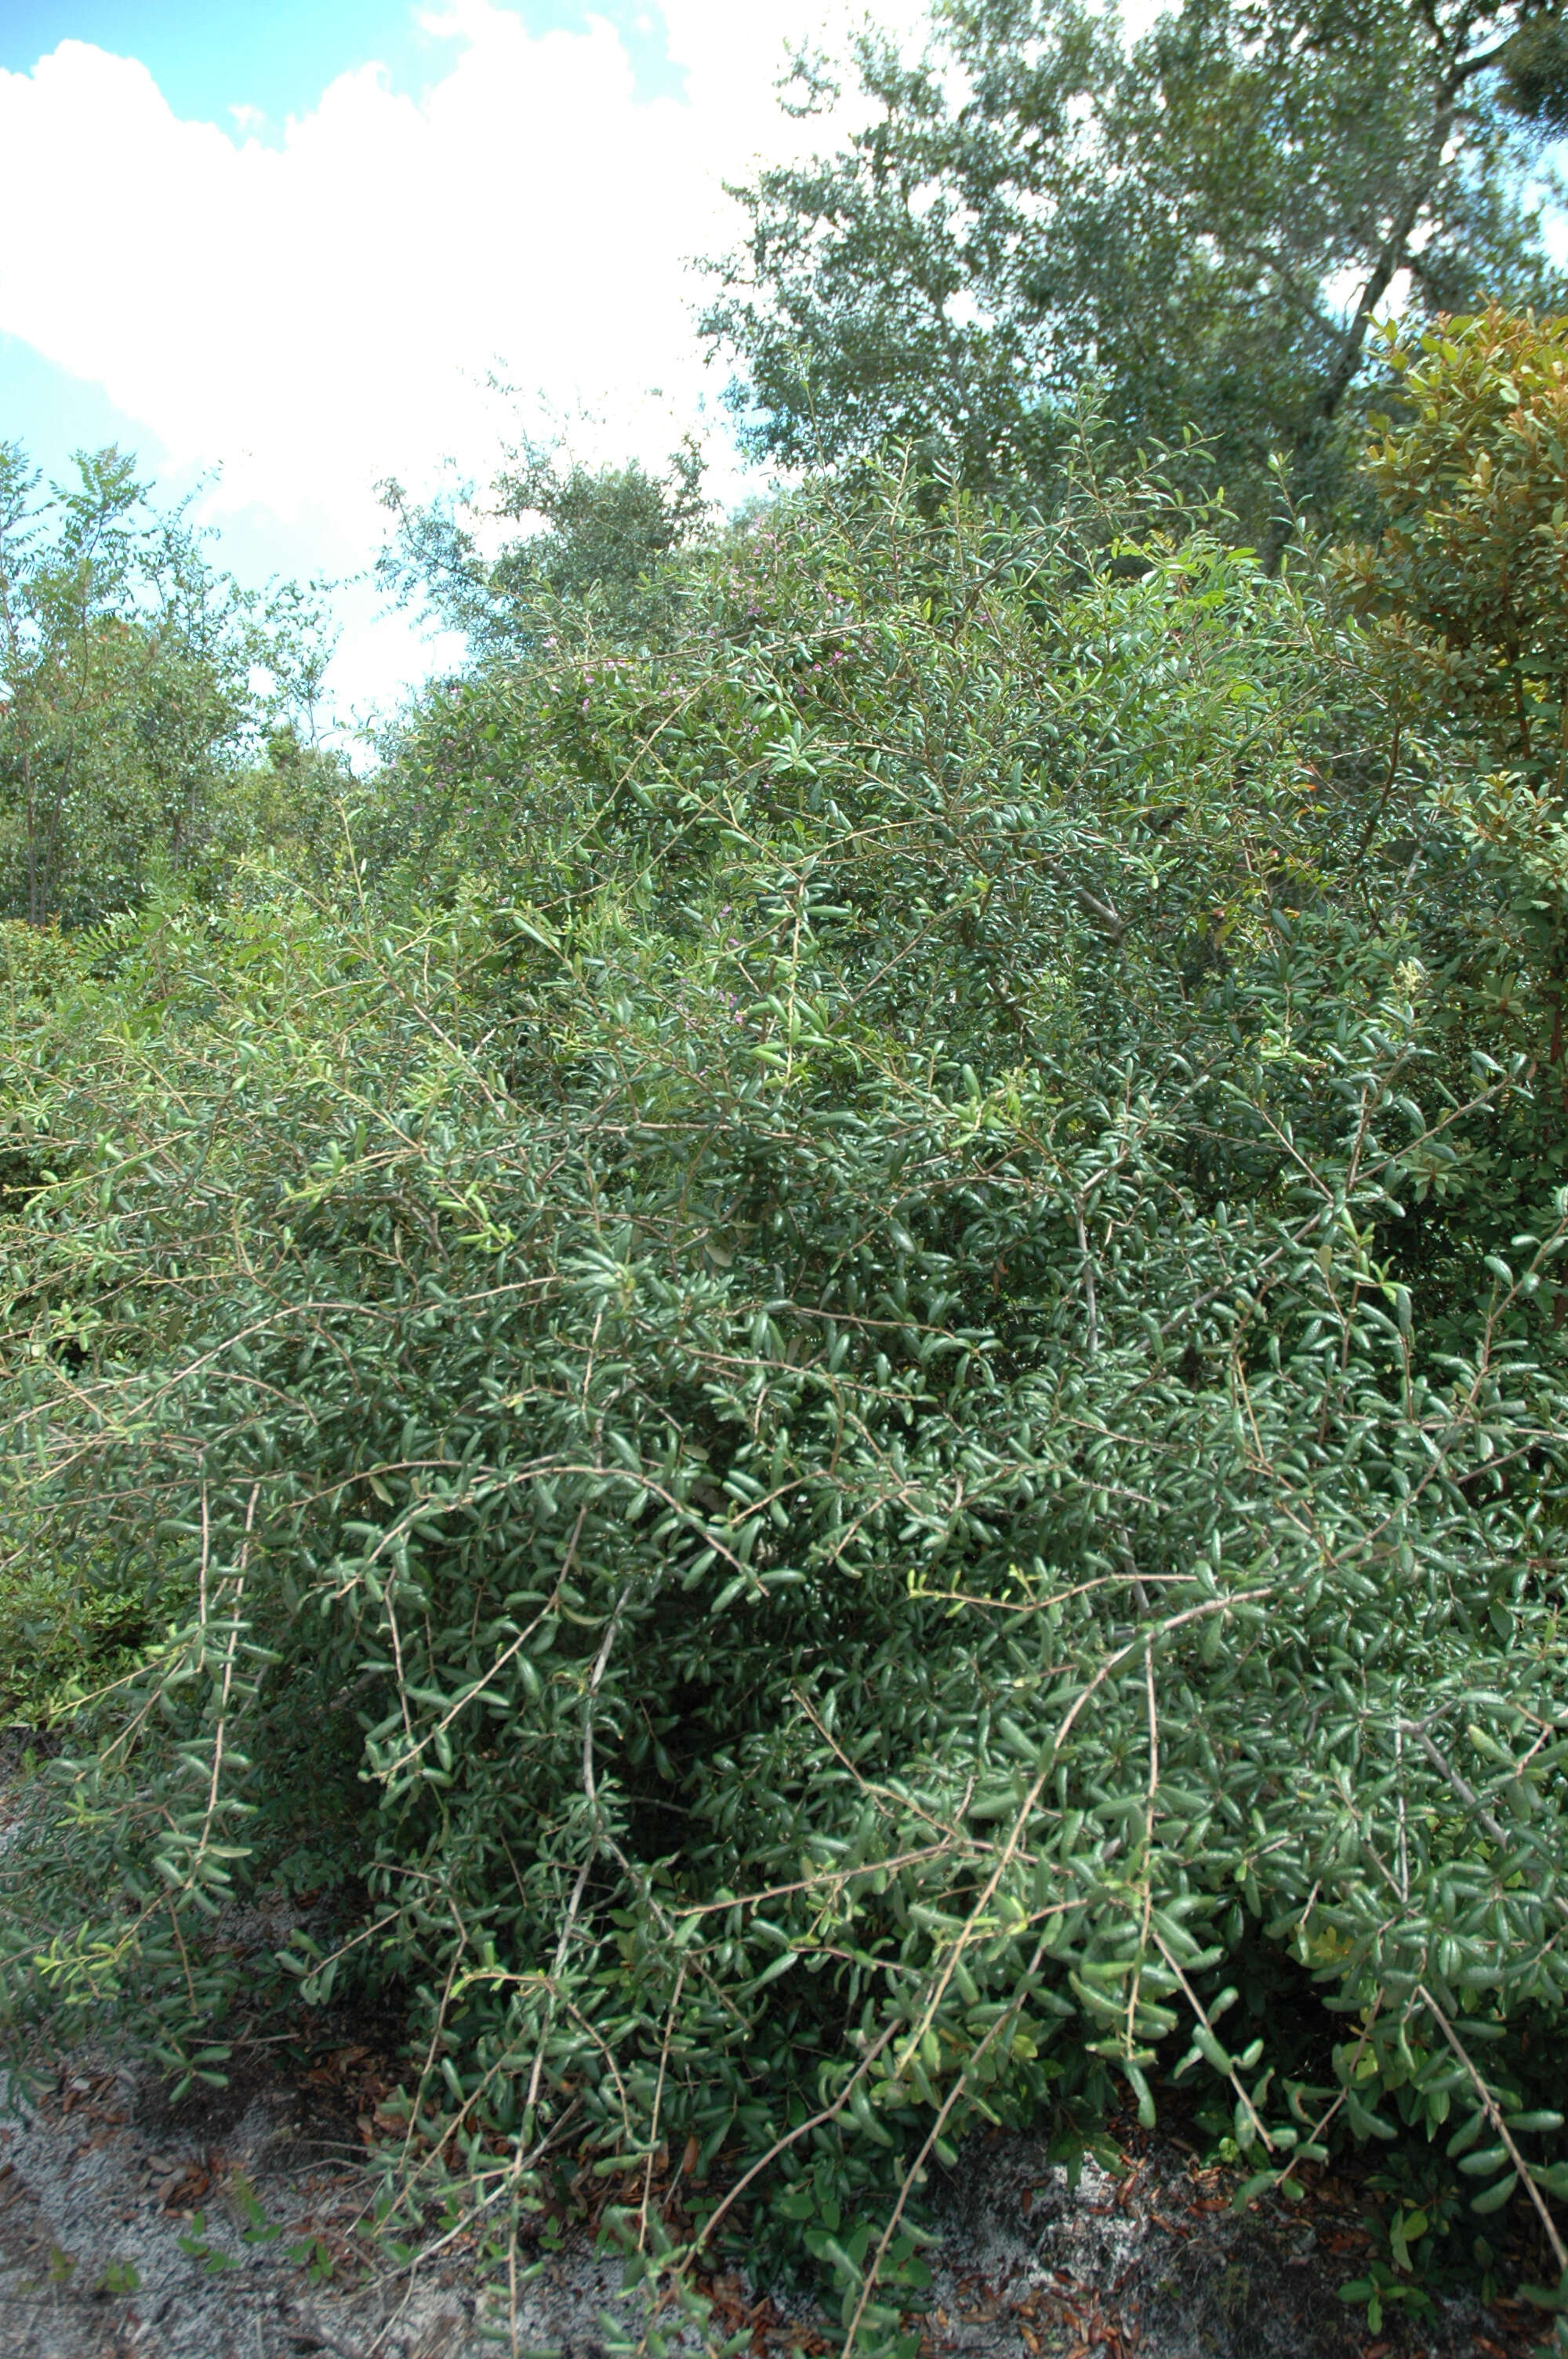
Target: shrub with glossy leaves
812, 1433
1466, 602
1470, 581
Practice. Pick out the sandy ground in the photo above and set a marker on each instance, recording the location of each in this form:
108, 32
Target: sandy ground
122, 2232
129, 2231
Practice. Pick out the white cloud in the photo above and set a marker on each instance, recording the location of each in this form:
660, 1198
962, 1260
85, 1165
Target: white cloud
315, 315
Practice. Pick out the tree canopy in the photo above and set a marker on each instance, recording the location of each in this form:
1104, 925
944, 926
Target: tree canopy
1202, 225
136, 684
593, 534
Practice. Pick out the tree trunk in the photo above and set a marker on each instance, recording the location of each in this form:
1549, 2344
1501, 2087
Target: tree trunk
1391, 259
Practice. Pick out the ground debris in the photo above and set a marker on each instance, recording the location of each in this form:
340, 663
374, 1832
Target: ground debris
1149, 2257
122, 2236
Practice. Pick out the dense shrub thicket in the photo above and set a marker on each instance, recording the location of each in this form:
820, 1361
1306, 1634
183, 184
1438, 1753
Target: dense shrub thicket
850, 1399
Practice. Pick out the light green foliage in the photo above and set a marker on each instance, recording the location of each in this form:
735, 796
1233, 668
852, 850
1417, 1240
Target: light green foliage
286, 810
64, 1634
1033, 206
36, 959
1468, 586
599, 537
127, 701
832, 1432
1466, 608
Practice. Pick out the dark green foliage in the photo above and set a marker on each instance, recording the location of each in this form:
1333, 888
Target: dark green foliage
1534, 69
1033, 208
833, 1432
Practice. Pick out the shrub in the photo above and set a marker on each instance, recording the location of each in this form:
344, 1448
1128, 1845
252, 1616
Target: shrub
1470, 580
1466, 601
830, 1437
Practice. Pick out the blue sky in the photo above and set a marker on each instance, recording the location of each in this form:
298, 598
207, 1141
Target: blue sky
278, 56
55, 413
279, 248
